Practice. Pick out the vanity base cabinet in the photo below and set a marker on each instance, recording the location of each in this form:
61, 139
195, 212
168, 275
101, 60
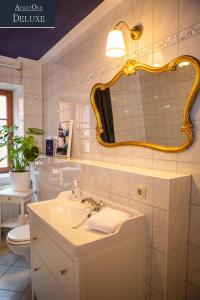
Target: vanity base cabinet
115, 272
45, 286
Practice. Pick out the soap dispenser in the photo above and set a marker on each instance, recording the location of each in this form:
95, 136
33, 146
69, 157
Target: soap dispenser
76, 193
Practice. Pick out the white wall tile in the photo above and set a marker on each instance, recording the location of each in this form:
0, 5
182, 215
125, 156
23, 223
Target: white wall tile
145, 162
87, 175
161, 193
190, 46
192, 168
147, 22
194, 265
160, 229
119, 199
119, 183
147, 293
165, 165
173, 231
28, 86
194, 236
37, 71
188, 13
158, 271
148, 263
147, 210
165, 21
102, 178
193, 292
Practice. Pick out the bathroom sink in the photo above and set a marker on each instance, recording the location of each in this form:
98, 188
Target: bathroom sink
62, 215
63, 212
69, 215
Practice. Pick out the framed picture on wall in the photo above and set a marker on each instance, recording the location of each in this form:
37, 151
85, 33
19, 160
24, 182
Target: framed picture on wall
64, 138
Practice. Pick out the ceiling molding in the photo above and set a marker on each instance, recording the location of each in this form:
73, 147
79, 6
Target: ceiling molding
79, 29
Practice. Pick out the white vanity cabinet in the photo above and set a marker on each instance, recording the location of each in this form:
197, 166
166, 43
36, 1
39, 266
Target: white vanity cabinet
51, 266
108, 268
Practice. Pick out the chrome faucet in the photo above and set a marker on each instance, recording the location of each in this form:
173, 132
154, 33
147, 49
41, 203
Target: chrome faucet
95, 205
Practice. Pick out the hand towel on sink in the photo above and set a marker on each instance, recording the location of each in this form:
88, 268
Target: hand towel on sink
107, 220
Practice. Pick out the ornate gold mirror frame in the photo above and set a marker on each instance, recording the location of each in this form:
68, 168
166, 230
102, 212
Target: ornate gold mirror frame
130, 68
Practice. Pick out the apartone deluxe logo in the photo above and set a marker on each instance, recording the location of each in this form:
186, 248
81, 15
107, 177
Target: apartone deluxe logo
27, 14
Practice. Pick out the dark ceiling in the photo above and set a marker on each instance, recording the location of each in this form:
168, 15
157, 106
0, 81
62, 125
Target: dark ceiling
34, 43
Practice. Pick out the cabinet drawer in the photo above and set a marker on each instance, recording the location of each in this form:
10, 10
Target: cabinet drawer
10, 199
57, 262
44, 285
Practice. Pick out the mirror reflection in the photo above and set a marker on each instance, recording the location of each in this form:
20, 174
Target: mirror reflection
146, 106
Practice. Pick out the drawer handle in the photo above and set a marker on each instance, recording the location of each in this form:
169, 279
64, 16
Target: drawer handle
35, 238
62, 272
36, 269
9, 198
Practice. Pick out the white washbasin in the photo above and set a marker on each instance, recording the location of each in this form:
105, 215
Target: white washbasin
62, 215
62, 212
67, 214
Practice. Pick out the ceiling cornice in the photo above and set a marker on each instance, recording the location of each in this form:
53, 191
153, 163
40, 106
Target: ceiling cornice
79, 29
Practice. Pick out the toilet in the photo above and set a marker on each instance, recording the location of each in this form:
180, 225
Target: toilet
18, 241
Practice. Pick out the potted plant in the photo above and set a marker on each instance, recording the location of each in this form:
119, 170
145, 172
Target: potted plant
21, 152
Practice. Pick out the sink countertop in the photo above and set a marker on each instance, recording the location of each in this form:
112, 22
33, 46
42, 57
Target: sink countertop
82, 239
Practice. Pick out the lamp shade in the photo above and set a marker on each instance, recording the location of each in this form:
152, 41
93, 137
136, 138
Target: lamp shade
115, 46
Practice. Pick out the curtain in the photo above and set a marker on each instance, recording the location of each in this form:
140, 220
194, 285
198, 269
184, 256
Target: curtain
104, 105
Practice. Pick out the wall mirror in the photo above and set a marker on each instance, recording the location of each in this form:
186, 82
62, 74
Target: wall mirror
148, 106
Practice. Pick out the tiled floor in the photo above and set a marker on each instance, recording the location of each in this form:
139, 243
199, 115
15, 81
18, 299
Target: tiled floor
15, 277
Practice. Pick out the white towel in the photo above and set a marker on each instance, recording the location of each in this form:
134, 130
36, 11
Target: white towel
107, 220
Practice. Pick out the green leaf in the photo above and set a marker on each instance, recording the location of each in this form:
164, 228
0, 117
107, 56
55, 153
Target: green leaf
21, 150
31, 154
35, 131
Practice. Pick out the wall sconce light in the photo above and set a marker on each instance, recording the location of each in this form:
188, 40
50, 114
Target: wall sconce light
115, 46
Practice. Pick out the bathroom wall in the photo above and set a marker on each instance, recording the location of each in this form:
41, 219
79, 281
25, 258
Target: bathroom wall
171, 28
27, 91
27, 104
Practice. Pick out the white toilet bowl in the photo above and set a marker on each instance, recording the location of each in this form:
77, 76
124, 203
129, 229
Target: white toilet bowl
18, 241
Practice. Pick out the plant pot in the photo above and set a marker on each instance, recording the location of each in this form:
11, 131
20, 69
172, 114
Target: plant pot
20, 181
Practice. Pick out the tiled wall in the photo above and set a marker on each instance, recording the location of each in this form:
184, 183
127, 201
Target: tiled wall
171, 28
27, 91
32, 94
18, 108
27, 102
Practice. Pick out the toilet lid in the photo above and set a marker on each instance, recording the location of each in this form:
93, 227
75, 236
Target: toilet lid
20, 234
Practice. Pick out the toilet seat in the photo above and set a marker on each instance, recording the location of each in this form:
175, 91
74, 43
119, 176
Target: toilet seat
19, 235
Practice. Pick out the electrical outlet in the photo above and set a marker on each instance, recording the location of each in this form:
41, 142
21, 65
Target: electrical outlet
141, 191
